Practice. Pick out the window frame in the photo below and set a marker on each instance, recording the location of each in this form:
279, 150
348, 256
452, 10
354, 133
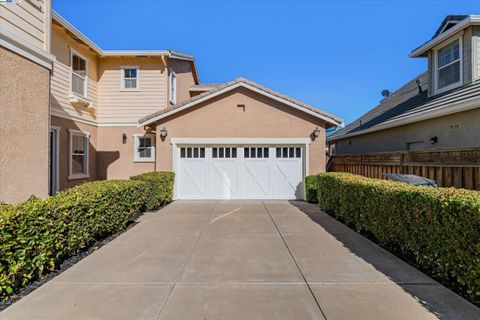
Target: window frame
136, 144
122, 78
172, 91
71, 175
444, 44
85, 84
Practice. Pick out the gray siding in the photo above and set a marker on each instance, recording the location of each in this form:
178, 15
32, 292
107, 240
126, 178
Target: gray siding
396, 139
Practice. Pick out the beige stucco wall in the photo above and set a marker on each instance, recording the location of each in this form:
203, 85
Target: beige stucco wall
115, 158
24, 107
185, 79
63, 150
220, 117
396, 139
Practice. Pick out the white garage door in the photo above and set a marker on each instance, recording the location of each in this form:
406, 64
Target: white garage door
239, 172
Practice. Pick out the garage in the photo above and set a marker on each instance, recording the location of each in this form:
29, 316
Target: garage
240, 171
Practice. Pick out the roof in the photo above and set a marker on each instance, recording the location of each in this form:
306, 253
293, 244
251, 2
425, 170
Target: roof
205, 86
217, 89
409, 105
444, 33
123, 53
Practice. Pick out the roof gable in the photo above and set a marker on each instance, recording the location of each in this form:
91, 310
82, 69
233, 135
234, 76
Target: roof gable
241, 82
449, 22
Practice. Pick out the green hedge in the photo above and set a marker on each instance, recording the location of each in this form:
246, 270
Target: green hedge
160, 188
311, 188
38, 235
438, 228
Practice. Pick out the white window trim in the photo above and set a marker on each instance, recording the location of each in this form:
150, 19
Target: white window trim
136, 158
72, 52
122, 78
459, 38
81, 175
172, 97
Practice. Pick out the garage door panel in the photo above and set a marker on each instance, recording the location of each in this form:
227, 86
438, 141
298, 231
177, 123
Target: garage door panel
223, 182
255, 179
236, 172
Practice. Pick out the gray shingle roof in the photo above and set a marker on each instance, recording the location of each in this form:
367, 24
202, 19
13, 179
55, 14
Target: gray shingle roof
408, 103
218, 87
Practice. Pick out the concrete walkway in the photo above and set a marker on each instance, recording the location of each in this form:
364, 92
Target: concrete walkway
241, 260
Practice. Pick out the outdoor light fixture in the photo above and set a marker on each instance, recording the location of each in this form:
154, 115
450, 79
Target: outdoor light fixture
163, 132
316, 132
124, 138
434, 140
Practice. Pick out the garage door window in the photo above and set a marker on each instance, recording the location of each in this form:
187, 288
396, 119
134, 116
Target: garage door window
224, 152
255, 152
289, 152
193, 152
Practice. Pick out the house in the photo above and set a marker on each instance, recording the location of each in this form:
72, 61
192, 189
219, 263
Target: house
437, 110
77, 112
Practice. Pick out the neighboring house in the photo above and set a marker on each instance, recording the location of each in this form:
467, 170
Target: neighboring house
439, 109
118, 113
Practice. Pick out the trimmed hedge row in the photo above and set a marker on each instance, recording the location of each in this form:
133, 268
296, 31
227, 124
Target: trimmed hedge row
438, 228
39, 234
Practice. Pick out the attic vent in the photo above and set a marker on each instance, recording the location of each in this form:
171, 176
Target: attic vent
385, 93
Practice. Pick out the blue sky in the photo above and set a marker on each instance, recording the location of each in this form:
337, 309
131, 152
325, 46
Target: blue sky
336, 55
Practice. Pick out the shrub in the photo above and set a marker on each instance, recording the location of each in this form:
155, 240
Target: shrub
160, 188
37, 235
311, 188
439, 229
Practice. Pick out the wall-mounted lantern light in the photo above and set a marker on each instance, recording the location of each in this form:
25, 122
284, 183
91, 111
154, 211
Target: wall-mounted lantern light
316, 132
434, 140
124, 138
163, 132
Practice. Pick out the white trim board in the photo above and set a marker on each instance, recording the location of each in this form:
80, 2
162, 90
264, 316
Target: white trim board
234, 86
241, 141
24, 48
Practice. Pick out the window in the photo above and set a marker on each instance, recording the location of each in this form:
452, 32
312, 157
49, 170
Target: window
79, 74
144, 148
78, 154
449, 66
130, 78
255, 152
193, 152
289, 152
224, 152
173, 87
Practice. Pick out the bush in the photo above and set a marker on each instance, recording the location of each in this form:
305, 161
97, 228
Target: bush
38, 235
311, 188
438, 229
160, 188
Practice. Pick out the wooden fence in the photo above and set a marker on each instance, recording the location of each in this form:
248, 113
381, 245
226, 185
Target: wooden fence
458, 168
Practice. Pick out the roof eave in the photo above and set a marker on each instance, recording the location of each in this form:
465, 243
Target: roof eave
420, 51
147, 121
426, 115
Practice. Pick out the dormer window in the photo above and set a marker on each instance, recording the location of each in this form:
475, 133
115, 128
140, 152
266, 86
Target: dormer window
449, 66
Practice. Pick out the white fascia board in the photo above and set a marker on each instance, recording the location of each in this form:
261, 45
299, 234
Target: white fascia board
471, 20
76, 32
112, 53
415, 117
236, 85
240, 141
26, 49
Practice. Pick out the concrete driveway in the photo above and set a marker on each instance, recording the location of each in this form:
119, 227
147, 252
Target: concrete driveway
241, 260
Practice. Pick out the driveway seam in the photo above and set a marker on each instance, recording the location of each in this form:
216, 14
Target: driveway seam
295, 261
187, 260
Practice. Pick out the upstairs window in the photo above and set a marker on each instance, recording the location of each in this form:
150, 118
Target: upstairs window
79, 74
173, 87
144, 148
449, 65
130, 78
